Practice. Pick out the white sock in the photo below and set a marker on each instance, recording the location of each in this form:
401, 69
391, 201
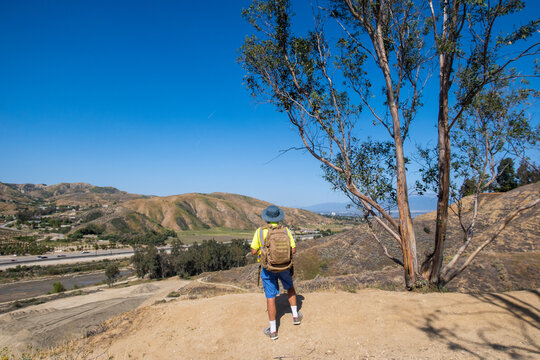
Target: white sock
273, 326
294, 311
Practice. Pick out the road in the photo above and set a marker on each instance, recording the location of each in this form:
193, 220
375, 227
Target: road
5, 226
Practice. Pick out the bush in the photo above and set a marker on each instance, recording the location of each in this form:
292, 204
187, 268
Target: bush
58, 287
112, 272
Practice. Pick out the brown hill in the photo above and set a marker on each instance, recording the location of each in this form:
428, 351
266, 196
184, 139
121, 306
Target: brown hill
216, 210
121, 212
15, 196
354, 258
117, 219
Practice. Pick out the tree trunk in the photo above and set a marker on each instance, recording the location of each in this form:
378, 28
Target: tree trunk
408, 243
406, 230
444, 183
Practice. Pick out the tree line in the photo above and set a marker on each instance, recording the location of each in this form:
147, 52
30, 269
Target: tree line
150, 237
210, 255
507, 177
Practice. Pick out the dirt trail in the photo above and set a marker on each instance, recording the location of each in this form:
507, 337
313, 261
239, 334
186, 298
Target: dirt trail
369, 324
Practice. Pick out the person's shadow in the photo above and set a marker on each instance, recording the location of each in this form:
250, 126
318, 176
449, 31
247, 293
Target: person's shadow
283, 307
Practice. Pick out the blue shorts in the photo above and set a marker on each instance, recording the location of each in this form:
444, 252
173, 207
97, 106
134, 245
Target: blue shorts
270, 282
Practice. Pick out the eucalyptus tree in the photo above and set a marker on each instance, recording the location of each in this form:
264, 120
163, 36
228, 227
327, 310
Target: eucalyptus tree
490, 134
326, 89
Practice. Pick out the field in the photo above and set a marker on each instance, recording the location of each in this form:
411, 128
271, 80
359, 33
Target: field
218, 234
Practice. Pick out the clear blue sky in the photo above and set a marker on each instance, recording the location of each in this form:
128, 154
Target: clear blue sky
145, 96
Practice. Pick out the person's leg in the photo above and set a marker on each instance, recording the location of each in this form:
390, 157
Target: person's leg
292, 301
271, 306
286, 280
291, 293
271, 290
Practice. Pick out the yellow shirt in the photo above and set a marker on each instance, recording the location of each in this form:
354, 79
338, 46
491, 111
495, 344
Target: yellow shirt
256, 242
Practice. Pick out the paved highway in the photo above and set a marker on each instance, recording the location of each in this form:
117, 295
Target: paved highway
10, 261
58, 258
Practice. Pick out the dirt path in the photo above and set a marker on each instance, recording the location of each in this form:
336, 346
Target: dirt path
53, 322
370, 324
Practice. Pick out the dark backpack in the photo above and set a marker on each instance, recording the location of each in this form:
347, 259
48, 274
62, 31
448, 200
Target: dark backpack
276, 251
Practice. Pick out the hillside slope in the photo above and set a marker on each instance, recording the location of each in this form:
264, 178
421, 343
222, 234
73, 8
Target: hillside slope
370, 324
216, 210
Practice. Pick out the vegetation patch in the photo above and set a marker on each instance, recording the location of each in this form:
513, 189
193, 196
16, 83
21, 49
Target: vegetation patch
120, 225
104, 190
309, 265
208, 256
197, 291
93, 215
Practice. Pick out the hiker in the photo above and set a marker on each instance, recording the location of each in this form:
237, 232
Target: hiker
275, 253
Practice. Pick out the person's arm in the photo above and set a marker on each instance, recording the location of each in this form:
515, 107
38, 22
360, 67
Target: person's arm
293, 243
255, 243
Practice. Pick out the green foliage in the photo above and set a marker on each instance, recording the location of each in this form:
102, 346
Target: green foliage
24, 215
58, 287
146, 238
468, 187
120, 225
196, 259
22, 245
494, 130
90, 229
173, 294
527, 173
506, 176
326, 232
112, 272
373, 170
93, 215
20, 272
104, 190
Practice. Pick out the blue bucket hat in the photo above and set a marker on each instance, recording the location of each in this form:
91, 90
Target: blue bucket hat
272, 214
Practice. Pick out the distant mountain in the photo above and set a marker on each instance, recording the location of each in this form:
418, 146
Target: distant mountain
332, 207
419, 205
222, 210
119, 211
62, 194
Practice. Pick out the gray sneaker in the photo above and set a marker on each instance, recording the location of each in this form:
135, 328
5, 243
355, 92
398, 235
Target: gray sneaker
272, 335
297, 320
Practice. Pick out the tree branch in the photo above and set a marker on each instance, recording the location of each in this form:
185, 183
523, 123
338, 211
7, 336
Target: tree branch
502, 226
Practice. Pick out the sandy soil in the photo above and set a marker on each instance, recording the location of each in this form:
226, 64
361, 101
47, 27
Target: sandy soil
369, 324
51, 323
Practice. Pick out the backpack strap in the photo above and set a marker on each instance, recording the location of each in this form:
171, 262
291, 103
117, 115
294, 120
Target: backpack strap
261, 236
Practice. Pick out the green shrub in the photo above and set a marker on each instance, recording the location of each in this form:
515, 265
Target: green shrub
58, 287
112, 272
